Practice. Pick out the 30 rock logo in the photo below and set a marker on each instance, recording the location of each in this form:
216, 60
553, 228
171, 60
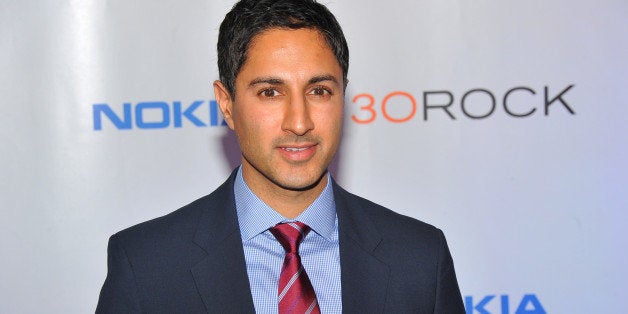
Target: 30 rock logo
477, 103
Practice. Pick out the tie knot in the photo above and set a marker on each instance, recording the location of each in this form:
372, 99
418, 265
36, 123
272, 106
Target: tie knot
290, 235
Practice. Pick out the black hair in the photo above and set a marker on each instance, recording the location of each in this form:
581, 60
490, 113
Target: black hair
249, 18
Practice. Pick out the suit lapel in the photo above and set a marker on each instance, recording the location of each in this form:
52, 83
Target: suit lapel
364, 277
221, 278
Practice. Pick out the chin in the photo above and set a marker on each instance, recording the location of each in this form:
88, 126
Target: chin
301, 182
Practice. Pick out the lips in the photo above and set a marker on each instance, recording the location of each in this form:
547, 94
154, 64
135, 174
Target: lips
294, 149
298, 153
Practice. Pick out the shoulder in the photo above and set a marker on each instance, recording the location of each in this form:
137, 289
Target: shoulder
418, 262
397, 232
386, 220
179, 221
182, 223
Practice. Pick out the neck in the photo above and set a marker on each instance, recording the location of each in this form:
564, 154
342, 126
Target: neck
287, 202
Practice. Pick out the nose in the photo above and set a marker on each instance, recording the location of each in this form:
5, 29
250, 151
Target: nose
297, 119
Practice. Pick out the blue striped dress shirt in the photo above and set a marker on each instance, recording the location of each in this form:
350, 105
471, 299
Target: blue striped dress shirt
264, 255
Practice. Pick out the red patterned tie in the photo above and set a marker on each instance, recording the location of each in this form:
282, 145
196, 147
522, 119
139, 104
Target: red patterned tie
295, 292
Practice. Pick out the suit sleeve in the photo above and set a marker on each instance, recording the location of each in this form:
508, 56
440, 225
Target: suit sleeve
448, 297
119, 292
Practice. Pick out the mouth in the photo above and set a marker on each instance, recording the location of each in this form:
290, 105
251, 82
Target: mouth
294, 149
298, 153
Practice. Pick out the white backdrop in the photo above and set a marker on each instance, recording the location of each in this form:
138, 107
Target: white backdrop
534, 207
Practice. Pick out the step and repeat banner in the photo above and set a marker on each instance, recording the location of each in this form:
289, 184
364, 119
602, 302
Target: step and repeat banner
503, 123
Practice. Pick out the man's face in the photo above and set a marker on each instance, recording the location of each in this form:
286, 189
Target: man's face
287, 111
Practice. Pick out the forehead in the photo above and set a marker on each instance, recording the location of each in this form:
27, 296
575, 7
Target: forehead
289, 46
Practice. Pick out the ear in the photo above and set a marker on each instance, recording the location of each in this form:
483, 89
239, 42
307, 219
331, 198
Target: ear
225, 103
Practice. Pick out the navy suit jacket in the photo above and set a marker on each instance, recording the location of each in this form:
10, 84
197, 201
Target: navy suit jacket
192, 261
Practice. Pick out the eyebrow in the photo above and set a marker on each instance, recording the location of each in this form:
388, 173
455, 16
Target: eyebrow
278, 81
322, 78
266, 80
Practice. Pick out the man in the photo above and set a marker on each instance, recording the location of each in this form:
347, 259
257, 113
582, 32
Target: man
279, 234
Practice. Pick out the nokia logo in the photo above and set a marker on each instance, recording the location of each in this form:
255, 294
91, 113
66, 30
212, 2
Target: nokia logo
158, 115
529, 304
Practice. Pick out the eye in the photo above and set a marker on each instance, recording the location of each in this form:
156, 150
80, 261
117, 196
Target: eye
269, 92
320, 91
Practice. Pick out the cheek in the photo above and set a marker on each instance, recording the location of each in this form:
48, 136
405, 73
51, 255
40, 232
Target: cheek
255, 127
331, 119
245, 118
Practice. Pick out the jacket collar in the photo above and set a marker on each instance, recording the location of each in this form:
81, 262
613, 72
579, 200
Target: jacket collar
364, 276
221, 277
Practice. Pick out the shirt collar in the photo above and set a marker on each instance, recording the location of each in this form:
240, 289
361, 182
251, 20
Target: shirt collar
255, 216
